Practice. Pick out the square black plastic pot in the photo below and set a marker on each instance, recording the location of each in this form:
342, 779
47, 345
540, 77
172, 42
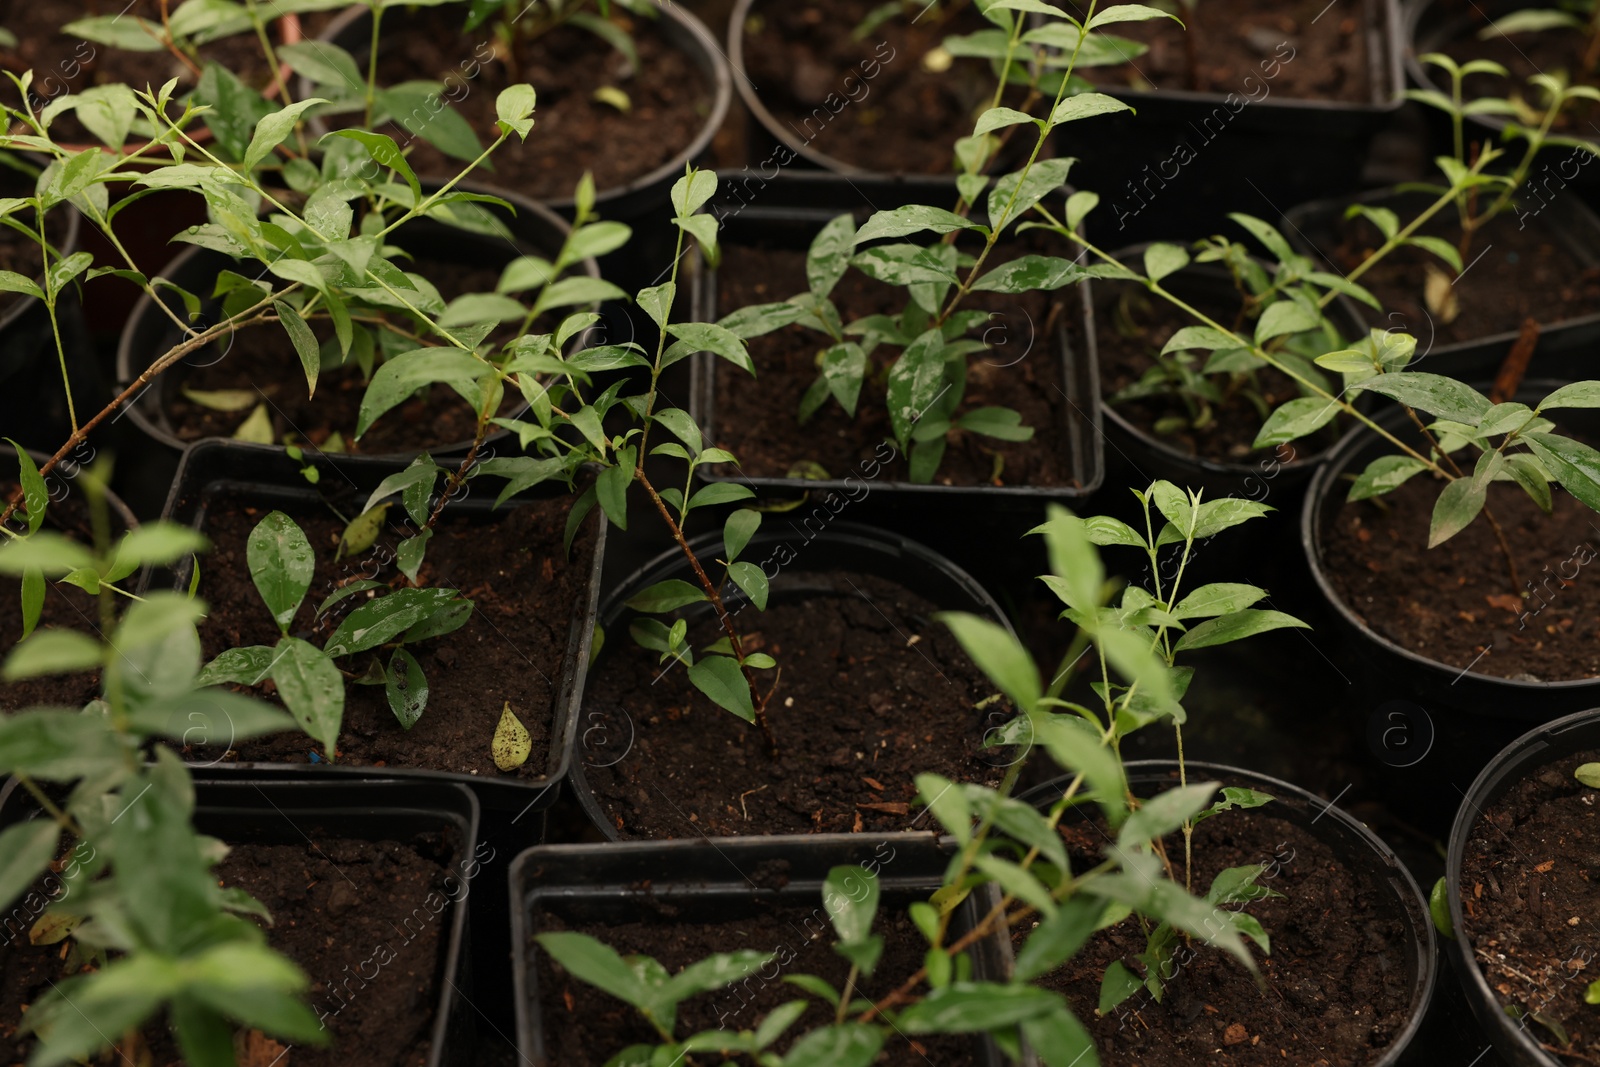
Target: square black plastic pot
1178, 166
1565, 349
787, 211
280, 812
1522, 759
719, 879
213, 470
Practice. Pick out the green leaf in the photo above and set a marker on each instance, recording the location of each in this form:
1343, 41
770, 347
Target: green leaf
1445, 398
1083, 106
1003, 424
1116, 986
737, 531
33, 589
1284, 317
1574, 464
840, 1045
1161, 260
612, 484
720, 679
25, 850
1001, 657
52, 652
1439, 908
1235, 626
1589, 775
1058, 938
1295, 419
382, 620
998, 118
915, 382
273, 129
56, 745
312, 688
1164, 813
752, 580
249, 665
1032, 273
406, 688
949, 804
281, 565
971, 1008
850, 894
35, 494
1221, 598
1384, 474
1214, 516
385, 153
913, 218
1455, 509
666, 596
127, 32
1058, 1038
404, 374
1104, 530
513, 108
1015, 194
691, 192
597, 964
323, 62
1576, 395
709, 337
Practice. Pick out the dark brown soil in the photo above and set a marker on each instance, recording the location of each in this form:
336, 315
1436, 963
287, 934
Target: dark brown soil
262, 358
1132, 328
1336, 988
1454, 603
1528, 888
858, 714
65, 606
338, 906
869, 103
583, 1026
526, 594
63, 64
757, 417
573, 133
1554, 52
1300, 49
1522, 273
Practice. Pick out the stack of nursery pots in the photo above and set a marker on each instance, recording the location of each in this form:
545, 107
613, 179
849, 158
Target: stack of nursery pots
843, 534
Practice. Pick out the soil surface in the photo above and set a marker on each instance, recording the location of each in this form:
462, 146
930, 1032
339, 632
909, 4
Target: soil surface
870, 103
1337, 992
1528, 871
1514, 272
670, 100
1131, 328
1299, 49
1455, 603
874, 691
756, 418
261, 358
334, 931
526, 595
583, 1026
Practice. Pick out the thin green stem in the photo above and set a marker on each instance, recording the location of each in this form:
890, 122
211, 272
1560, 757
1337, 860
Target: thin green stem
376, 7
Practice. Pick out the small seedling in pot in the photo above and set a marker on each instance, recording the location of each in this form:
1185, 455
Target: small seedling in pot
308, 680
146, 931
1589, 775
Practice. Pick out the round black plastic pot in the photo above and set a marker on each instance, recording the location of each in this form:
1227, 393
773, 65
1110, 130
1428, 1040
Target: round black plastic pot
1173, 170
786, 212
1431, 25
644, 196
1516, 1041
1279, 475
788, 557
721, 880
1565, 349
153, 445
263, 811
1358, 848
212, 475
1456, 719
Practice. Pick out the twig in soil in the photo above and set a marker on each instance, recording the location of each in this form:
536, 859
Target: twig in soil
741, 801
1515, 367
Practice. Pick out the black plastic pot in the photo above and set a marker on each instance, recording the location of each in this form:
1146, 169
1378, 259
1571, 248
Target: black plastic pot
787, 212
1458, 718
1173, 169
1351, 842
815, 545
533, 230
1279, 475
644, 195
1522, 759
718, 880
278, 812
212, 472
1565, 349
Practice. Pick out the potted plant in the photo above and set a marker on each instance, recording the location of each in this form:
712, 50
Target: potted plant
631, 90
1509, 909
1290, 97
389, 866
1509, 260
